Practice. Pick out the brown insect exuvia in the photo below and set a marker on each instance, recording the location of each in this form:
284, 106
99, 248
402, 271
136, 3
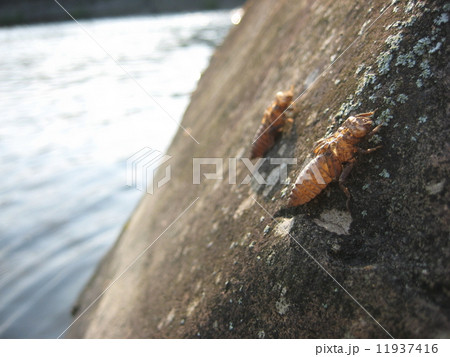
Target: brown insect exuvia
334, 159
273, 124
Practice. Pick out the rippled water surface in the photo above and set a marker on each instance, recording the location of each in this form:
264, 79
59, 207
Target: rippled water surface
69, 119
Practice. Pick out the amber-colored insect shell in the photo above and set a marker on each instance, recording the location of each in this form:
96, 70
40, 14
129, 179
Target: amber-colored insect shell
334, 158
272, 124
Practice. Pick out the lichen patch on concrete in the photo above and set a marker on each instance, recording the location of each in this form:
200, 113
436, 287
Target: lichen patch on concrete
283, 227
335, 221
435, 188
245, 205
191, 307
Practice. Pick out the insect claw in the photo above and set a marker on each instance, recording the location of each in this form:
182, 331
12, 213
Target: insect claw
365, 115
287, 128
347, 204
368, 151
374, 131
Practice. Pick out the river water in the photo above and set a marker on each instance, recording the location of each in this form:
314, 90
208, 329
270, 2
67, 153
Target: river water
69, 119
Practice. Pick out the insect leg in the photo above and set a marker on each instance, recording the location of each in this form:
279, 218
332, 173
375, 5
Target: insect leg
342, 178
368, 151
374, 131
287, 128
365, 115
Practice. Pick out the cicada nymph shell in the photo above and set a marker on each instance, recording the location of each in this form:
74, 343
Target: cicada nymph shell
334, 159
274, 122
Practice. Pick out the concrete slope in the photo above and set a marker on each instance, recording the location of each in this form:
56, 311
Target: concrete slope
237, 263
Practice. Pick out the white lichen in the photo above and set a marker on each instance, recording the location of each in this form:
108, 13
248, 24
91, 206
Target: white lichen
389, 101
426, 71
285, 191
245, 205
383, 61
423, 119
360, 68
384, 174
366, 80
376, 139
283, 227
406, 59
421, 45
335, 221
435, 188
421, 4
393, 41
270, 259
191, 307
396, 24
392, 88
442, 19
409, 6
435, 48
347, 107
282, 305
384, 118
402, 98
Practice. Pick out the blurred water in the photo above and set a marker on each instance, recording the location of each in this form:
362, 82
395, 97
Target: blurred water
69, 119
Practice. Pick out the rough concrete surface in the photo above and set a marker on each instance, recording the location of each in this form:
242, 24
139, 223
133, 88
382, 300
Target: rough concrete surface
234, 264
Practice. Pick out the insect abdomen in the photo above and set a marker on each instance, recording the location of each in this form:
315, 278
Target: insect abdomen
314, 178
264, 141
272, 124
